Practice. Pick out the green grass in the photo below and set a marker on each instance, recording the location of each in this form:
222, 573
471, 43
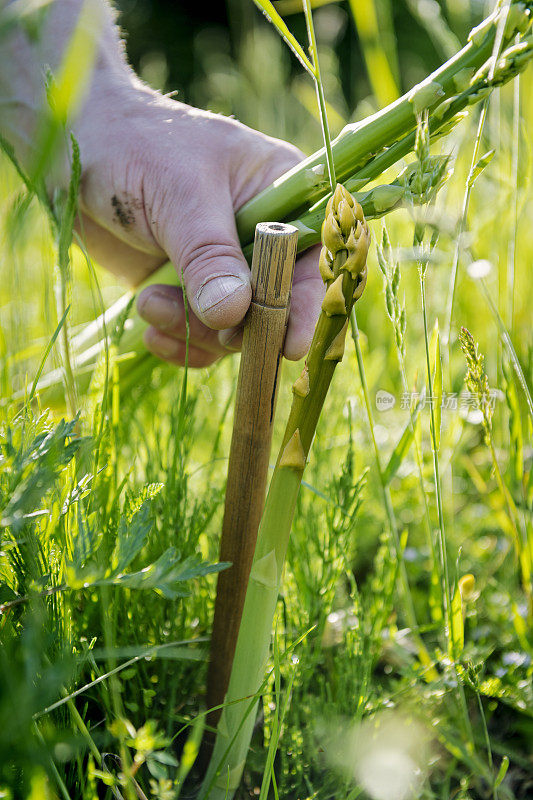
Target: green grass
110, 520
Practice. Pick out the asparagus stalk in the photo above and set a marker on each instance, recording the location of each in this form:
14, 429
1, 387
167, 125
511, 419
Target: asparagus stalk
468, 88
345, 237
357, 142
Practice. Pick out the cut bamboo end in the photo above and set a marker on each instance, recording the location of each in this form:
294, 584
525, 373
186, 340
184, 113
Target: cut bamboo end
273, 263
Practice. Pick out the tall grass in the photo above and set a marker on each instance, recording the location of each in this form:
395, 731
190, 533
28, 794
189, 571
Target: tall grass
103, 659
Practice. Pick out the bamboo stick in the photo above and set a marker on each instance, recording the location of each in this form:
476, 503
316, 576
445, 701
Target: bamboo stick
264, 333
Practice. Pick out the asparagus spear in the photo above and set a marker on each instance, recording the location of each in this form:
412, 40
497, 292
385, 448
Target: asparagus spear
357, 143
345, 237
383, 139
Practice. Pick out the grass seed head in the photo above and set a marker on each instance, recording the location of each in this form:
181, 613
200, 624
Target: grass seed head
476, 378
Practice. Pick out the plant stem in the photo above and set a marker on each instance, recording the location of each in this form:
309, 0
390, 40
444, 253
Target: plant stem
419, 462
436, 472
462, 224
389, 508
509, 346
449, 627
511, 256
60, 783
320, 93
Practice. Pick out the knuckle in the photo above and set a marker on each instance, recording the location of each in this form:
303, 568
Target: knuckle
199, 258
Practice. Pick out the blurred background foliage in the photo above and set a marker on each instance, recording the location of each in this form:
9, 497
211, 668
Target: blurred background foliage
222, 59
340, 577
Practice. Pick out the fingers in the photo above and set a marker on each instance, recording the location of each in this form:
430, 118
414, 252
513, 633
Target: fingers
175, 351
164, 309
307, 295
274, 158
204, 245
231, 338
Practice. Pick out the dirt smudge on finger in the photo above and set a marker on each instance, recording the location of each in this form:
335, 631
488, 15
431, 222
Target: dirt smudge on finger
122, 212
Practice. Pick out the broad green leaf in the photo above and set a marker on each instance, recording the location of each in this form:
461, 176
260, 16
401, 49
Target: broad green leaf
85, 540
131, 538
34, 471
166, 574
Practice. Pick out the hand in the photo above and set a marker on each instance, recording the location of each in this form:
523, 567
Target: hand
164, 180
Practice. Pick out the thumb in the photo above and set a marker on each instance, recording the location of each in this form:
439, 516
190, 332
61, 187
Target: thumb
204, 246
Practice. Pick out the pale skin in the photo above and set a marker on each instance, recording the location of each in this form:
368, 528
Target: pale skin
161, 180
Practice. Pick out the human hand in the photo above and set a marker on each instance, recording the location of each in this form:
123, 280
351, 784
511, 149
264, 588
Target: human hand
163, 180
